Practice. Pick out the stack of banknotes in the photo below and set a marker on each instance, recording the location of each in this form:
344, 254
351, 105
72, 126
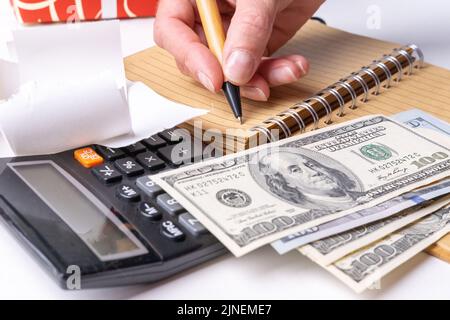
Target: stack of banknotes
358, 198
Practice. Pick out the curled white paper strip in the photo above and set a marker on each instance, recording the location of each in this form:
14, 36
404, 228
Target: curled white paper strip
48, 118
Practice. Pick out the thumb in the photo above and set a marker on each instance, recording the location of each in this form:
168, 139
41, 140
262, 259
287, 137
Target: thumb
247, 38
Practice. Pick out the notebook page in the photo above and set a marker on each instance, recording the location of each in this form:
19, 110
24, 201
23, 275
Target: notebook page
156, 68
332, 53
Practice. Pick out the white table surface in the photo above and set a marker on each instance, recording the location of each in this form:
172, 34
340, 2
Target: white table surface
263, 274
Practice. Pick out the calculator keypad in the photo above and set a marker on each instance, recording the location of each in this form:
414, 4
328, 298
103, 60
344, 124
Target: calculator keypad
163, 222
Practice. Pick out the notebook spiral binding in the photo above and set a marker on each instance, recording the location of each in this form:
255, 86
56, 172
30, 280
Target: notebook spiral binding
368, 80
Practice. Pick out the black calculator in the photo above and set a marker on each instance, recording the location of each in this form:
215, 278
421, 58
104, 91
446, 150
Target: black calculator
96, 210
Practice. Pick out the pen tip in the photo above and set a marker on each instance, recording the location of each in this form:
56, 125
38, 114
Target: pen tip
240, 120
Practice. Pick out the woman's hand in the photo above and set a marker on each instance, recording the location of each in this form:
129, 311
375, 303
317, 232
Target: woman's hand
255, 29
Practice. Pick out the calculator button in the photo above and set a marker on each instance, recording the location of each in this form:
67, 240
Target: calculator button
87, 157
150, 161
170, 136
149, 187
110, 154
169, 204
135, 148
129, 167
171, 231
188, 221
107, 173
128, 193
154, 142
180, 154
149, 211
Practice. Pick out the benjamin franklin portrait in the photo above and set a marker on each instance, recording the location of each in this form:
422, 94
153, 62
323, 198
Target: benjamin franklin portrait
306, 179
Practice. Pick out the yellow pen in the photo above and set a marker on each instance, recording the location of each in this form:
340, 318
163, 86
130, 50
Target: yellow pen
215, 35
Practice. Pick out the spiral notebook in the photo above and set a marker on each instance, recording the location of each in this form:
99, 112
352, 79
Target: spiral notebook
350, 76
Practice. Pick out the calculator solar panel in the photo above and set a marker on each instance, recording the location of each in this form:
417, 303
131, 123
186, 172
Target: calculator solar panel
52, 203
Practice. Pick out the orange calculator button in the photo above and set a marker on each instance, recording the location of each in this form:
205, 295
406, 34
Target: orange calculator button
88, 157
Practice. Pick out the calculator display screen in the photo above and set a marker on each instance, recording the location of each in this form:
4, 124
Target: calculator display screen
89, 218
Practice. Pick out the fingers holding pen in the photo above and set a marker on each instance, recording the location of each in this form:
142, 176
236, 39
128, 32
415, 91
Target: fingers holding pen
174, 31
247, 38
274, 72
250, 31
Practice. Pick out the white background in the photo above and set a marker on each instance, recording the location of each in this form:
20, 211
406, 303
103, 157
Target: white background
264, 274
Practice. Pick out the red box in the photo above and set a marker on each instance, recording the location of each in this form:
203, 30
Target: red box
44, 11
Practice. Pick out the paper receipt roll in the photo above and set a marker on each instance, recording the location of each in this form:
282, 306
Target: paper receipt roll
48, 118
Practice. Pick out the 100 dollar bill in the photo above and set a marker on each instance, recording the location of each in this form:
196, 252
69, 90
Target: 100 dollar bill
328, 250
260, 195
362, 217
415, 119
362, 268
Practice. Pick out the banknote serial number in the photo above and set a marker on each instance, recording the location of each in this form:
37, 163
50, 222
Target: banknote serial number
225, 310
414, 159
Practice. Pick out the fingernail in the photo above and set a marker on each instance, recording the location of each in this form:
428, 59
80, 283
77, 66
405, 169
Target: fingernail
282, 75
254, 93
302, 67
239, 66
205, 81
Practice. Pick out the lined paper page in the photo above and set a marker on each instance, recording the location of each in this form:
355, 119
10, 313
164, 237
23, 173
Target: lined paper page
333, 54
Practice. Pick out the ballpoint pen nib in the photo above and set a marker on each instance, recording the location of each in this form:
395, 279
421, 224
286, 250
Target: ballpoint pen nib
240, 120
